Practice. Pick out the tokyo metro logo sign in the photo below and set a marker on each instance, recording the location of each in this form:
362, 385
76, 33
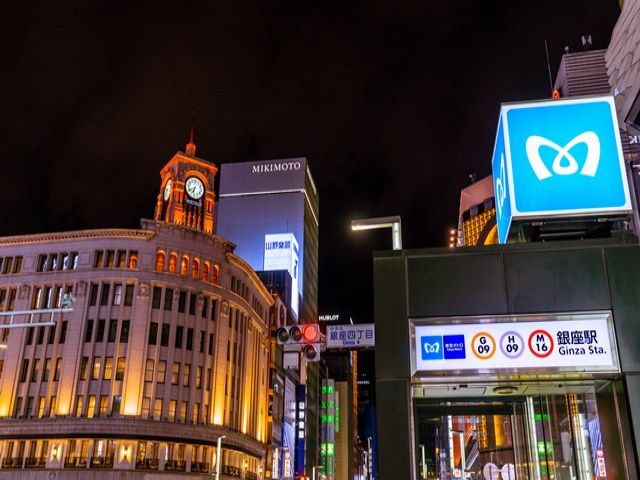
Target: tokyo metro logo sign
564, 163
556, 159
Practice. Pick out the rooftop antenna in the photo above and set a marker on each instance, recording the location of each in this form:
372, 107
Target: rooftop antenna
586, 41
546, 49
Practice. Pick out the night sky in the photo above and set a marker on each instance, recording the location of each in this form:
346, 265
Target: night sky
394, 104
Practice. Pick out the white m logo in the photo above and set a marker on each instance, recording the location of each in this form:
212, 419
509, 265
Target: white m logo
564, 163
431, 347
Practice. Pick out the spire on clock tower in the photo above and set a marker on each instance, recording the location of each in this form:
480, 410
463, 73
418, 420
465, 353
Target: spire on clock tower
186, 196
191, 147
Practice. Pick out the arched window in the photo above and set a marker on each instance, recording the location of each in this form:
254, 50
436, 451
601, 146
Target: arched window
173, 262
216, 273
195, 268
160, 262
184, 266
205, 271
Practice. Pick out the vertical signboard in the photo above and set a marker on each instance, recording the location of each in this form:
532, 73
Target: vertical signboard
281, 252
556, 159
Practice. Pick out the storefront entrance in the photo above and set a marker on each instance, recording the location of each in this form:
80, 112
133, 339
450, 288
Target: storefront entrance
507, 432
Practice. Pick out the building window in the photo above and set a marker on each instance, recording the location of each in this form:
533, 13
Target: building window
56, 373
120, 368
104, 405
148, 371
203, 339
109, 261
199, 377
178, 342
108, 368
189, 338
100, 330
122, 255
145, 413
160, 262
182, 300
88, 334
34, 370
128, 295
113, 329
84, 365
157, 409
63, 332
79, 405
24, 369
184, 266
91, 407
195, 268
52, 405
208, 380
183, 416
98, 259
205, 271
214, 305
153, 333
168, 298
173, 261
104, 296
196, 415
192, 304
124, 331
46, 369
95, 372
172, 410
93, 294
155, 302
117, 294
186, 375
133, 259
210, 344
162, 370
175, 373
205, 307
164, 335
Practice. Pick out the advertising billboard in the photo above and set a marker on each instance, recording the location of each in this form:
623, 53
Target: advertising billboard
267, 176
558, 158
281, 252
575, 342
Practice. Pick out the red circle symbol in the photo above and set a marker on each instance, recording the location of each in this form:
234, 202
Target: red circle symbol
541, 343
310, 333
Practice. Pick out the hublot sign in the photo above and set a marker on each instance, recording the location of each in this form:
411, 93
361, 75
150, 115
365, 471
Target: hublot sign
276, 167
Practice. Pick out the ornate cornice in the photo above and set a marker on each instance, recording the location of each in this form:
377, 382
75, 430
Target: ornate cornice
131, 234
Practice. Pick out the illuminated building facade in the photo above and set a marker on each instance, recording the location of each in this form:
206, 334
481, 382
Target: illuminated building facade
166, 350
270, 210
477, 217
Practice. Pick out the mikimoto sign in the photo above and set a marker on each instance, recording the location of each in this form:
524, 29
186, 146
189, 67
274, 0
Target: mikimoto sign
522, 343
556, 159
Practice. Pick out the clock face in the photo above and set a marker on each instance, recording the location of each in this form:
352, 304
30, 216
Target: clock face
167, 190
194, 187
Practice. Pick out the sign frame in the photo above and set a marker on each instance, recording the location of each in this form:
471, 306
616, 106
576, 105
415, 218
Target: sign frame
359, 340
534, 373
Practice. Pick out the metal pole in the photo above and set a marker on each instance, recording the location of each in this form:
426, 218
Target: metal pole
219, 457
424, 467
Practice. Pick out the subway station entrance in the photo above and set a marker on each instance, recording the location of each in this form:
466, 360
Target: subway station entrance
514, 397
524, 431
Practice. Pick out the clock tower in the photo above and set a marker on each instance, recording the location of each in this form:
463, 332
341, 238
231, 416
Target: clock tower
186, 190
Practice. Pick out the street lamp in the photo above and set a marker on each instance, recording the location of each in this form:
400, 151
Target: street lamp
394, 223
219, 456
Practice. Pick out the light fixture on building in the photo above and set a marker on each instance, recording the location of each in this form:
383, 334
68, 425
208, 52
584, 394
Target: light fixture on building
394, 223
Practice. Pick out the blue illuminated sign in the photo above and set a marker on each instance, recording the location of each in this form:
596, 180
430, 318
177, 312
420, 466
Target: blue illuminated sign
431, 347
560, 158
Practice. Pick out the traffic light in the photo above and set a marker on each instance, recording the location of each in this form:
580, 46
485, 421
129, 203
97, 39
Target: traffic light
305, 338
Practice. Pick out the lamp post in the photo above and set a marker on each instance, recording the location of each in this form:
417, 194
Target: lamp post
219, 456
394, 223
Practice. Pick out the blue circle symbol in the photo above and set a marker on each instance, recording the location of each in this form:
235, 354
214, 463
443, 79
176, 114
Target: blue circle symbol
512, 344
